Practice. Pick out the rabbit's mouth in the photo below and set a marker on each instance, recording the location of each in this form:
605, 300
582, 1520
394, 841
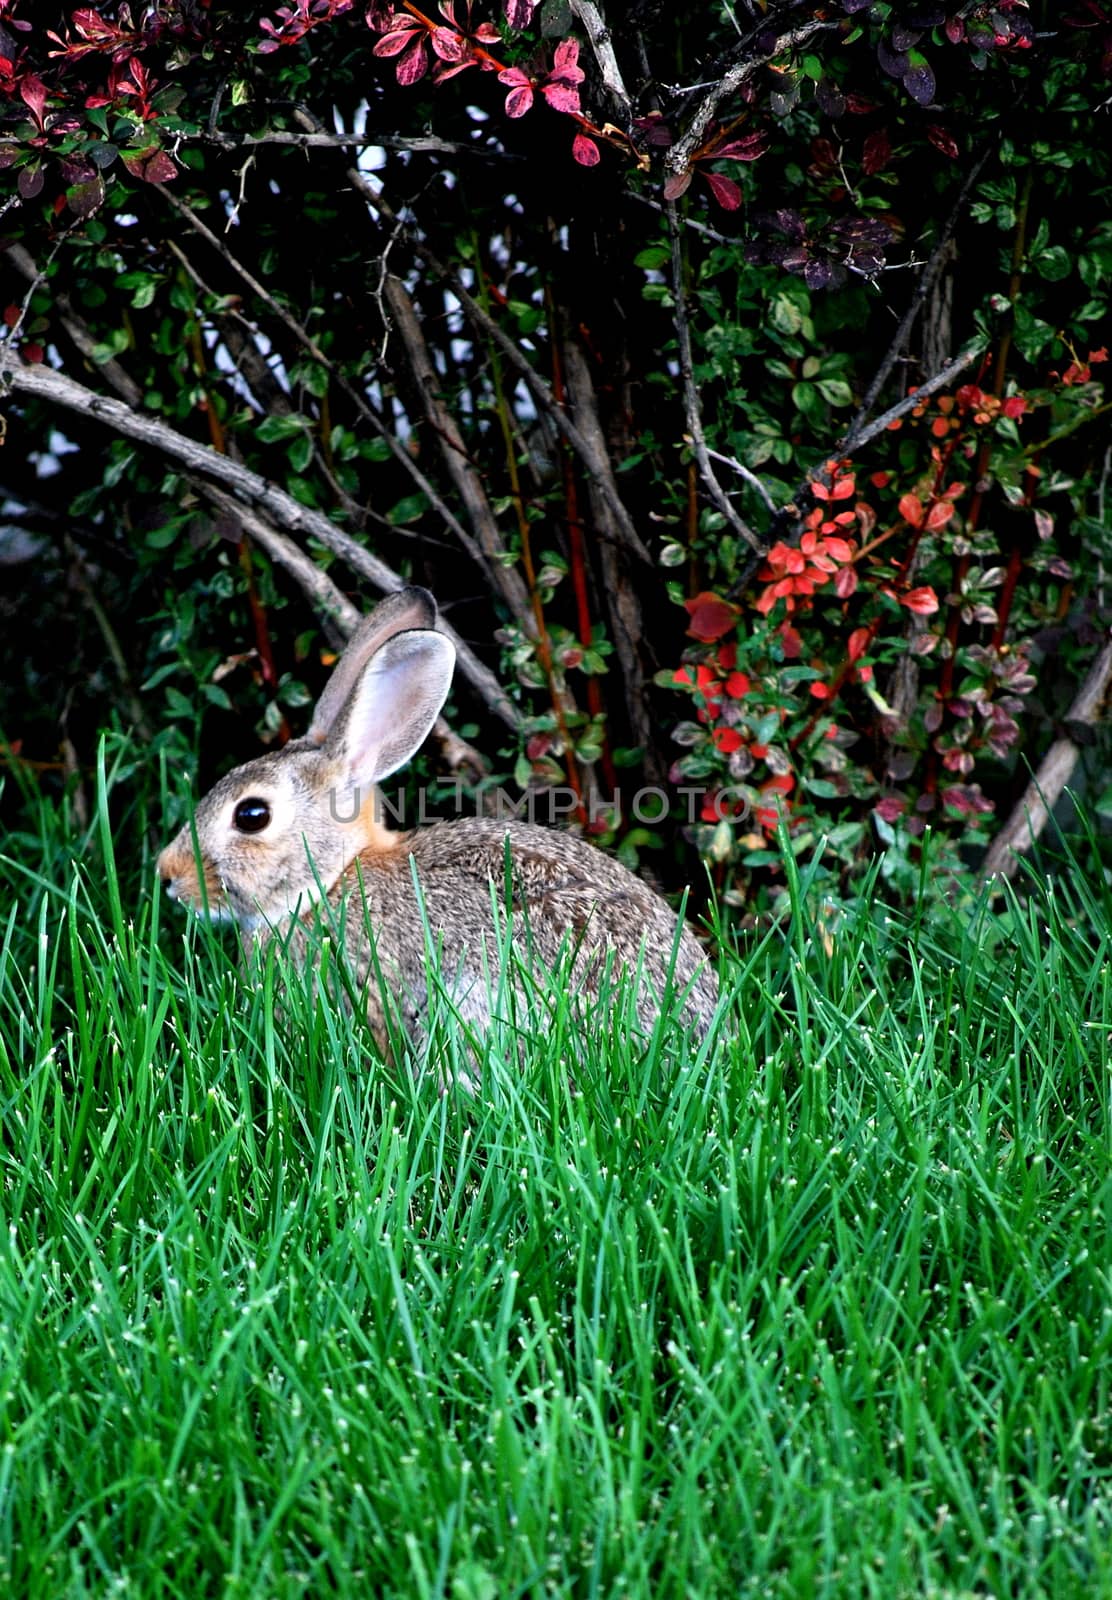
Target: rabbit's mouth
206, 896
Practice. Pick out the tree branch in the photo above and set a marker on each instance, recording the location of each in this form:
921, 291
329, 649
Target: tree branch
308, 343
200, 460
1030, 816
678, 158
599, 37
922, 290
487, 550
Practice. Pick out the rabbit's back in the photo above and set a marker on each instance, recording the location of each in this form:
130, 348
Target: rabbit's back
562, 890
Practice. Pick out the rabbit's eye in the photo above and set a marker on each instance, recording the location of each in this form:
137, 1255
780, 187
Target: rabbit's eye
251, 815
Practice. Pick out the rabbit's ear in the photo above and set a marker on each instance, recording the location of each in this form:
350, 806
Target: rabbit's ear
399, 612
392, 708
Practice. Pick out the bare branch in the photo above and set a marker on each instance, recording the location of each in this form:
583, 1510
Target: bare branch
487, 550
678, 158
204, 462
922, 289
421, 144
750, 477
1030, 816
691, 397
853, 440
621, 596
599, 37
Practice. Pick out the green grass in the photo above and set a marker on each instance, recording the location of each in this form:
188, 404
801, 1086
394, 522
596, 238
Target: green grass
824, 1310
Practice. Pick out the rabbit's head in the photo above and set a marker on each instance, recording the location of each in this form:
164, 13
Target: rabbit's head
278, 831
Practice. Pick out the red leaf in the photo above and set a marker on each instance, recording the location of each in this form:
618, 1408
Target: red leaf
585, 151
922, 601
737, 685
943, 141
820, 691
857, 644
392, 44
33, 91
911, 510
562, 97
727, 740
519, 13
448, 44
939, 515
724, 190
838, 549
677, 184
151, 164
711, 616
746, 149
876, 152
565, 61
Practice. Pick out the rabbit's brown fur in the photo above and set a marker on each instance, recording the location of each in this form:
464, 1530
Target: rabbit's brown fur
319, 833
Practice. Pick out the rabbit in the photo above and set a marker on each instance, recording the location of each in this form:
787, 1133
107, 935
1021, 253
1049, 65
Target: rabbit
296, 824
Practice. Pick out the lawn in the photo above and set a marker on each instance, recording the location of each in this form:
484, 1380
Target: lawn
821, 1308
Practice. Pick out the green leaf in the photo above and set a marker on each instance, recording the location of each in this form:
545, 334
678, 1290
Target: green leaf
654, 257
1053, 264
408, 509
300, 452
835, 391
272, 429
806, 398
161, 538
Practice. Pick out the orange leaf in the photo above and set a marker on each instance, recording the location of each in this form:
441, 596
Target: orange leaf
858, 643
911, 510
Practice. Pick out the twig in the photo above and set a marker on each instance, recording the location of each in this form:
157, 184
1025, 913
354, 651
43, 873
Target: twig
621, 596
422, 144
690, 395
487, 549
1030, 816
750, 477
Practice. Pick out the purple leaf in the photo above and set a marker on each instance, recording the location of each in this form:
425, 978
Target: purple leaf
519, 13
919, 83
893, 62
30, 181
